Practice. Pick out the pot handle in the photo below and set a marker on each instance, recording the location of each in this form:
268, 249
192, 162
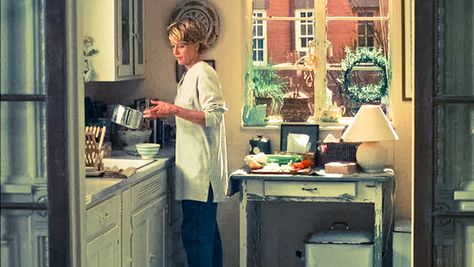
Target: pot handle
343, 111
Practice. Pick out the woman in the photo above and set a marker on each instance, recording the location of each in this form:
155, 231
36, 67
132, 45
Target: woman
201, 160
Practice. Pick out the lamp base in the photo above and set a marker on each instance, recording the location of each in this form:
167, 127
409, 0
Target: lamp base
371, 156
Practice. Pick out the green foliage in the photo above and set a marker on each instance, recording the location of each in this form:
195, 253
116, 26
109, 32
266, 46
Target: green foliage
369, 92
264, 82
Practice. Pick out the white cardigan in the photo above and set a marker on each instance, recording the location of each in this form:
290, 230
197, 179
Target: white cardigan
201, 153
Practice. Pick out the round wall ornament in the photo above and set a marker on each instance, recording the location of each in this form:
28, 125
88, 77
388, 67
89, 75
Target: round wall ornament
370, 92
202, 11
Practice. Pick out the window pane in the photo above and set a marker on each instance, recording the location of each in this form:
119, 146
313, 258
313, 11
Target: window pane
455, 154
457, 50
24, 236
343, 34
298, 84
454, 242
22, 48
349, 8
260, 56
23, 135
370, 42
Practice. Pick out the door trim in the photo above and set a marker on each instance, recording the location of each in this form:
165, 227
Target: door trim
65, 126
424, 165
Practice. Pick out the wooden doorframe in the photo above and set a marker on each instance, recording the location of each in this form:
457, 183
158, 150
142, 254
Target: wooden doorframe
65, 132
58, 193
424, 132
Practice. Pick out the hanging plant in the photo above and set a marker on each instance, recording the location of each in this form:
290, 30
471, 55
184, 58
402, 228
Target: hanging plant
370, 92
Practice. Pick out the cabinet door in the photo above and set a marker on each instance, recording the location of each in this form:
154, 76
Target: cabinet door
149, 234
125, 38
105, 250
139, 38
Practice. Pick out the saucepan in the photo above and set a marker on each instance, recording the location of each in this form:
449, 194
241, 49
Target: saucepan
128, 117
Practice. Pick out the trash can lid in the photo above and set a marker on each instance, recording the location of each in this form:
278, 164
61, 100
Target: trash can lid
341, 237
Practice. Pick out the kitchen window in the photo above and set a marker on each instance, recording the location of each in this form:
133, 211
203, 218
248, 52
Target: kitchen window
284, 31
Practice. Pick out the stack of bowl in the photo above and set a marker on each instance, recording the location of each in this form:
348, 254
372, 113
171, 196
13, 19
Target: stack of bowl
147, 150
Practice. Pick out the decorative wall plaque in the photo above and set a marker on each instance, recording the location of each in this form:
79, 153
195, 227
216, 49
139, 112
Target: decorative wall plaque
203, 11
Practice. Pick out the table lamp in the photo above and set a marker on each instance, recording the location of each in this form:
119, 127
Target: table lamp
370, 126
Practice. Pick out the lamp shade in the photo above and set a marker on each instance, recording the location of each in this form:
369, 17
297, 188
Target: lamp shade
370, 124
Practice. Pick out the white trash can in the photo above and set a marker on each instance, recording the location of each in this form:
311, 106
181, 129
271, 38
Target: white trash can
336, 248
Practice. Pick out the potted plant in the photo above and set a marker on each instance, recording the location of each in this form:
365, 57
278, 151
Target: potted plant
265, 87
263, 95
296, 106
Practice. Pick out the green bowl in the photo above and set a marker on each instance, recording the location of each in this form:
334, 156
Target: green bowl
147, 150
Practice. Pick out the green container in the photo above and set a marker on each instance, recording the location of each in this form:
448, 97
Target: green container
284, 159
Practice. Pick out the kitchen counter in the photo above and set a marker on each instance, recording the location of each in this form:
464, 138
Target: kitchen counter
100, 188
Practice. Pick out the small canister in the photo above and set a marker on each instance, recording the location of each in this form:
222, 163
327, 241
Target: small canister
260, 144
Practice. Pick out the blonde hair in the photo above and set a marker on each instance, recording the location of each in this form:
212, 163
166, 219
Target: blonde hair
189, 30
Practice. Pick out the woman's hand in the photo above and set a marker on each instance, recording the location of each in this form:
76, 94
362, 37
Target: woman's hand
160, 110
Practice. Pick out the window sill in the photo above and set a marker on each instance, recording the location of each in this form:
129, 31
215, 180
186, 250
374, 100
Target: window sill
275, 122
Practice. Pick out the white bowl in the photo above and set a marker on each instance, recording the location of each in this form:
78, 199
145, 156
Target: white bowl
147, 150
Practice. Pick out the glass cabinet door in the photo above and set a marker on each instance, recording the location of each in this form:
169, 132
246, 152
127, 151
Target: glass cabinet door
139, 38
454, 135
126, 37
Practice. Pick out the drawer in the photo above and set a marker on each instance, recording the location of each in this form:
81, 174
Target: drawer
310, 189
103, 217
148, 189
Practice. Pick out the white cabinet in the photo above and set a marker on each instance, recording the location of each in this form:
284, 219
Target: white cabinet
145, 223
117, 28
148, 239
130, 228
103, 233
104, 250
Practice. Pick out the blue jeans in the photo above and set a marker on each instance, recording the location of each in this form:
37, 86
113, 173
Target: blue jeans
200, 233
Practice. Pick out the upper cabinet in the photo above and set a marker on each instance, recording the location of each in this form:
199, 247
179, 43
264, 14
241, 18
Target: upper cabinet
115, 28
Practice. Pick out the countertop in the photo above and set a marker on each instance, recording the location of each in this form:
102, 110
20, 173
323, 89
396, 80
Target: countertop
101, 188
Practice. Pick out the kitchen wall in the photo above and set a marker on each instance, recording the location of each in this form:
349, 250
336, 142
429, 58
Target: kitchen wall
229, 56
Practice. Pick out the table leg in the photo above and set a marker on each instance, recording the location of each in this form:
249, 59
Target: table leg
243, 224
378, 225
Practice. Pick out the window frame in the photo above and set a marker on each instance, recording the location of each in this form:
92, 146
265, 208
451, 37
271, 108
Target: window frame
320, 71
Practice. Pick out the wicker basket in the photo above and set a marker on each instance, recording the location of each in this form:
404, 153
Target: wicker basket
295, 109
329, 152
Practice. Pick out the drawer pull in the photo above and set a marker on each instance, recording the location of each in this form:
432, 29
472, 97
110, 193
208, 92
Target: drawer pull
314, 189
